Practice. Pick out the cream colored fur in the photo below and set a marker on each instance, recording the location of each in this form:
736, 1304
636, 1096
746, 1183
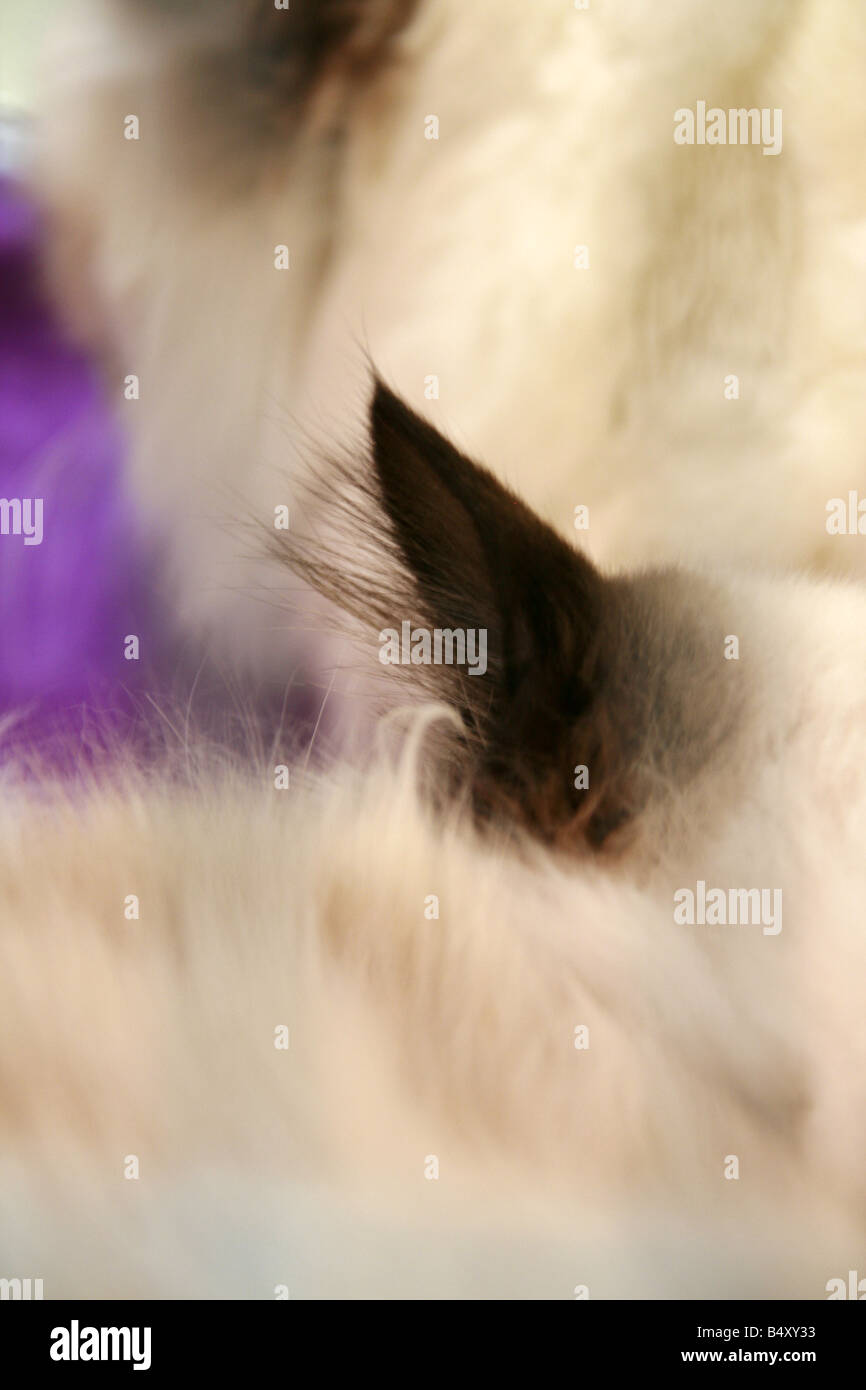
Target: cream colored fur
452, 1037
454, 258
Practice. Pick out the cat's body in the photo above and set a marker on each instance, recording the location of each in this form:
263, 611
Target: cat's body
512, 1069
364, 1043
453, 1036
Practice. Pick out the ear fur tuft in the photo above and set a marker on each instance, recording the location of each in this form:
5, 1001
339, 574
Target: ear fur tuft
571, 680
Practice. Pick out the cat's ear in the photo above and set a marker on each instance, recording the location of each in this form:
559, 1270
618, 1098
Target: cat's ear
482, 562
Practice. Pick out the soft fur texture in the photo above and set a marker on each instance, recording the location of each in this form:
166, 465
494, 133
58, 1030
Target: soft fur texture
454, 257
453, 1037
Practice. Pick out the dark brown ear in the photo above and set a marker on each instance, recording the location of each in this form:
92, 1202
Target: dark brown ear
546, 704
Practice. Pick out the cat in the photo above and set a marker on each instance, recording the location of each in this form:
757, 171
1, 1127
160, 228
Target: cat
657, 342
431, 1022
432, 1026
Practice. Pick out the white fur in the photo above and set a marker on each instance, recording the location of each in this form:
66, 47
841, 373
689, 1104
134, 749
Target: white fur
453, 257
454, 1037
451, 1037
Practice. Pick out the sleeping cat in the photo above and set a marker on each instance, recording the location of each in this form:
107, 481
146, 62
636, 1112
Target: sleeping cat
555, 988
438, 1025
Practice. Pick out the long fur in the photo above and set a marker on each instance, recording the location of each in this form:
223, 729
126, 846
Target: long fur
416, 1037
454, 258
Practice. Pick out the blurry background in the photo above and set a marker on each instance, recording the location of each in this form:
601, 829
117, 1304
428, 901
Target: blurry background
66, 604
22, 25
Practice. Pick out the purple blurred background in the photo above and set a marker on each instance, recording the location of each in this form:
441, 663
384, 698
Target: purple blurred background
66, 604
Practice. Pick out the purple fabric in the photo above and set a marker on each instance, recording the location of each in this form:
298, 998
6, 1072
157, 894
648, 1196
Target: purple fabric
65, 604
